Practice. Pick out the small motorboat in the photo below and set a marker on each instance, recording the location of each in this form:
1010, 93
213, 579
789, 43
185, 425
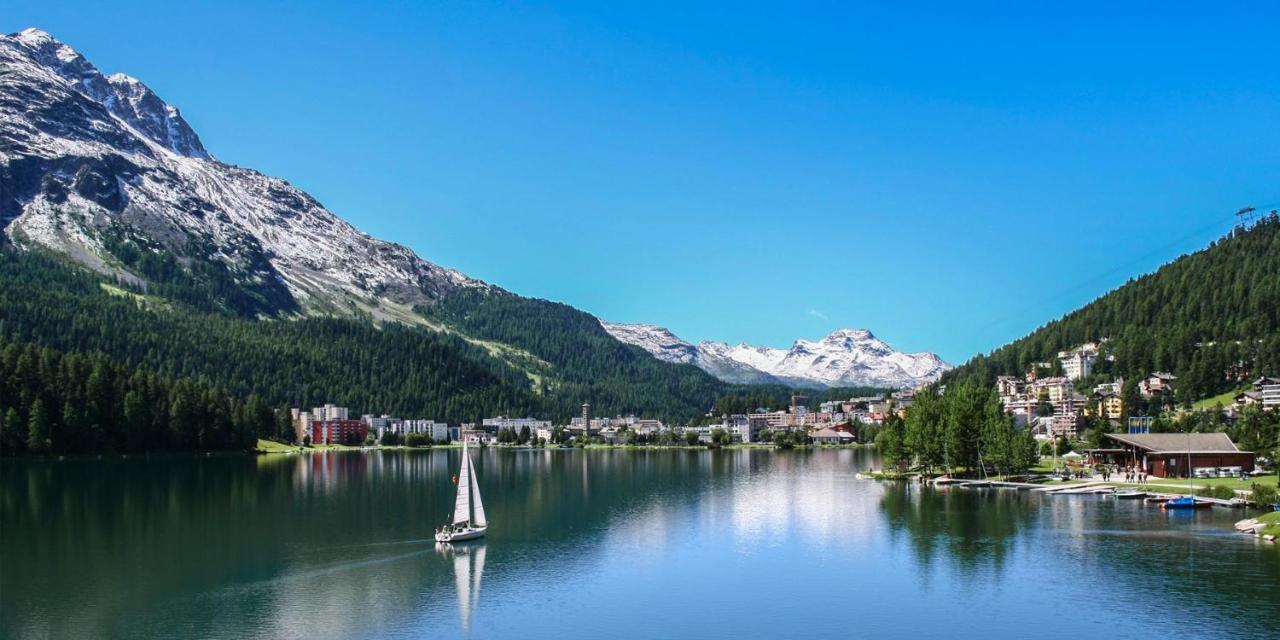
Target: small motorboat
1184, 502
1130, 495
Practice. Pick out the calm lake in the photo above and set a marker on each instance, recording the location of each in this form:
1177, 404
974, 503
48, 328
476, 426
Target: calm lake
602, 544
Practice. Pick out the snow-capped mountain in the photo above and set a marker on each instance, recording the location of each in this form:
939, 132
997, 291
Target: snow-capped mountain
90, 162
846, 358
660, 342
667, 347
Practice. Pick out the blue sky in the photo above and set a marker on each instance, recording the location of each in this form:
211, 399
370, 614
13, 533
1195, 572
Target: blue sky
949, 177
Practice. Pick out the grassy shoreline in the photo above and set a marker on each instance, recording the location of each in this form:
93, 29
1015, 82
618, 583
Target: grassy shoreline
273, 447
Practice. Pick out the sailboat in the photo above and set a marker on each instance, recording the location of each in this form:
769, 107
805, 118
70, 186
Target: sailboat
468, 522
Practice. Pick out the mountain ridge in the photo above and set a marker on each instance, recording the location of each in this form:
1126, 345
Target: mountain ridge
843, 358
94, 162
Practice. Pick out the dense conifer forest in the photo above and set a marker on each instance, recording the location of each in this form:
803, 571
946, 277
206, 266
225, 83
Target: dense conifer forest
94, 365
1212, 318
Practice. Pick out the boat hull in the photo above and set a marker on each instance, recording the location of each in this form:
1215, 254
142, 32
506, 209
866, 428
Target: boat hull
1184, 503
470, 533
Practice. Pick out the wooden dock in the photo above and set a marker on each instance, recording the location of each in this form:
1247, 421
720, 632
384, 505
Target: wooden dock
1095, 487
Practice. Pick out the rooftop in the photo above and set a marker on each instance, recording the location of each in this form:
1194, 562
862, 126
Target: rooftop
1177, 442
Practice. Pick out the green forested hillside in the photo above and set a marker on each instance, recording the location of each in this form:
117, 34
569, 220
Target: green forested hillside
1212, 318
589, 365
64, 324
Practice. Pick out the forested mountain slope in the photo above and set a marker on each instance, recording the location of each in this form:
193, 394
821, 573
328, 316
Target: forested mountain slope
1211, 317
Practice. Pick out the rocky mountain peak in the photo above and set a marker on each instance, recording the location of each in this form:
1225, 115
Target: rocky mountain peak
125, 97
847, 357
90, 162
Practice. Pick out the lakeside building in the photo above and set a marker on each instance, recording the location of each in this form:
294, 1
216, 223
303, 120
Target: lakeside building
304, 421
338, 431
1175, 455
472, 435
515, 424
381, 424
832, 436
437, 431
330, 412
772, 419
646, 427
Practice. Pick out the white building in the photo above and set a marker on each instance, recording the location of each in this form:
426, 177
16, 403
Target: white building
773, 419
1270, 394
515, 424
329, 412
1078, 363
437, 431
381, 424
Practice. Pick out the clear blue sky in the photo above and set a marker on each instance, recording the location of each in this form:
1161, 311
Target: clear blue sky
949, 177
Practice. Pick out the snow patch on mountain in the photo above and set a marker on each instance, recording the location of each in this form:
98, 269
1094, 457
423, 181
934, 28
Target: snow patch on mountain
846, 358
84, 155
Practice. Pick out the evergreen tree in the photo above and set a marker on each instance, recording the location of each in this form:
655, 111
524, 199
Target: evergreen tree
13, 432
38, 428
924, 432
890, 443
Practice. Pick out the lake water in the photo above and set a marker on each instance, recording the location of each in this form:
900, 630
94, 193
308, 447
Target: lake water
602, 544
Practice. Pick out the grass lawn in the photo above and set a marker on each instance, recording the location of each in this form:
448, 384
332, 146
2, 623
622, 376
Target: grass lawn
1180, 486
1273, 523
1222, 399
271, 446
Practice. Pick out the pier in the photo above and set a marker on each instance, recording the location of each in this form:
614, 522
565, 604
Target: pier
1095, 487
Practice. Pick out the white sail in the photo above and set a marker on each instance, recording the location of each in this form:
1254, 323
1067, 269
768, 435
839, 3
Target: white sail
479, 520
462, 505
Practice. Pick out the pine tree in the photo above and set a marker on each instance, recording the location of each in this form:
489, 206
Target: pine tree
38, 428
13, 432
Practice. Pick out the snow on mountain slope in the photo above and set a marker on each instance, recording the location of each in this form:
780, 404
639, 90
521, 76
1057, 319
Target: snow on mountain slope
663, 344
666, 346
846, 358
88, 160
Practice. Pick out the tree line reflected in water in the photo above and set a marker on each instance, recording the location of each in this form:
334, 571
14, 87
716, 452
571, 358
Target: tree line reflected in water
341, 543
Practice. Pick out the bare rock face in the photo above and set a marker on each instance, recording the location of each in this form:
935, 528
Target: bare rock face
88, 162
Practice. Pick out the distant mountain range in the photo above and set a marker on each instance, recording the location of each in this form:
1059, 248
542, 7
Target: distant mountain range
845, 358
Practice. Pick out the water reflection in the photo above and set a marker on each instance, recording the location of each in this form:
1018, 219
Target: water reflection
339, 545
973, 529
468, 569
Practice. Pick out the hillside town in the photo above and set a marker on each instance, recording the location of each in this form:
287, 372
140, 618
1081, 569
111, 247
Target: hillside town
1055, 406
837, 422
